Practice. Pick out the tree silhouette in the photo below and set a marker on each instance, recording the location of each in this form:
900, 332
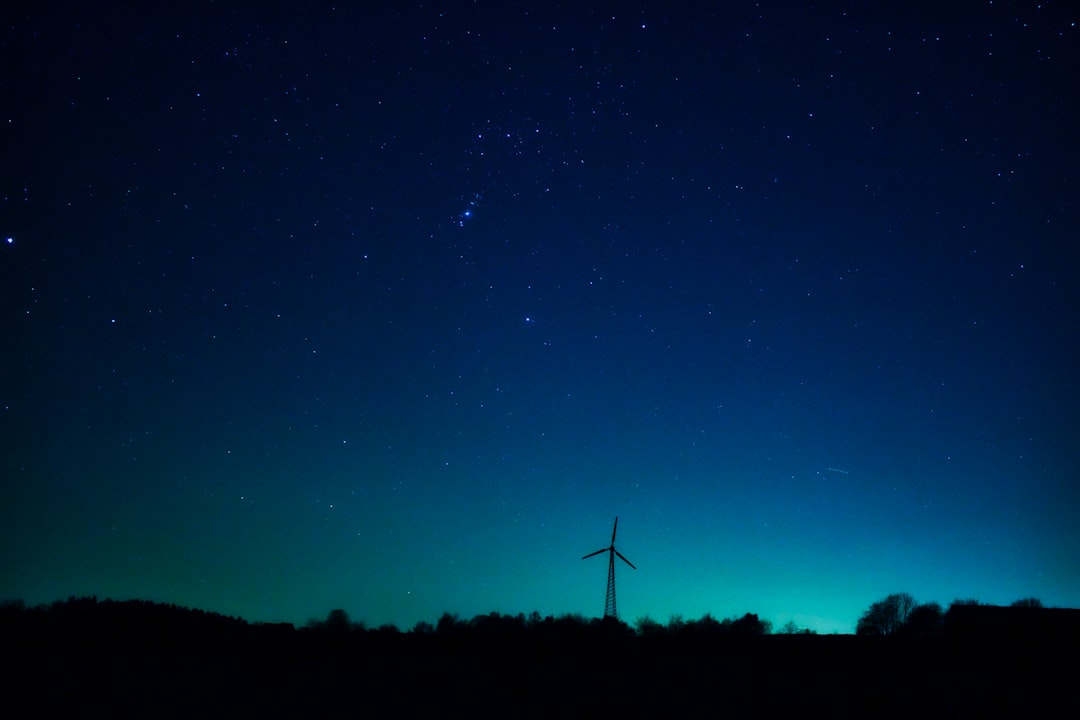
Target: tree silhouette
337, 621
1030, 602
449, 624
791, 628
886, 617
925, 620
965, 602
647, 627
750, 624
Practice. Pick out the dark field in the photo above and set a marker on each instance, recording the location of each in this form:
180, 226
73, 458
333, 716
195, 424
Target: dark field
209, 666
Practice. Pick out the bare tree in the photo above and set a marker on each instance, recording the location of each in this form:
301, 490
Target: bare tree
647, 627
886, 617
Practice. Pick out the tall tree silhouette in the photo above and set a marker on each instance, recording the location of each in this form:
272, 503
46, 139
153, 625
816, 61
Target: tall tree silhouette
886, 617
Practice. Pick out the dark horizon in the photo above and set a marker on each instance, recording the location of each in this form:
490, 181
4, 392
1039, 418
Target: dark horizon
707, 626
117, 657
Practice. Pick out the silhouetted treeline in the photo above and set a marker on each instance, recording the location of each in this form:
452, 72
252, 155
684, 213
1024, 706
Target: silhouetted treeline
1017, 624
89, 622
494, 629
705, 629
452, 634
1025, 620
147, 659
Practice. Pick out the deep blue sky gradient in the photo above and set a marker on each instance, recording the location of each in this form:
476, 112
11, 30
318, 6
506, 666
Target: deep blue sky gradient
395, 309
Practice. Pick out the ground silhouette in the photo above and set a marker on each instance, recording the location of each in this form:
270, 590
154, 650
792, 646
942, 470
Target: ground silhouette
122, 658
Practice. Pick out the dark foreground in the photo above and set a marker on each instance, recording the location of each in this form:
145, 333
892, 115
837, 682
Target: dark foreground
277, 671
769, 676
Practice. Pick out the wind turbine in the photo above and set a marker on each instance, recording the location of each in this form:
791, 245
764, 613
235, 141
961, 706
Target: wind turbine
609, 601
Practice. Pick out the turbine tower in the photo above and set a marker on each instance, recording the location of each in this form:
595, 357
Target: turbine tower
609, 601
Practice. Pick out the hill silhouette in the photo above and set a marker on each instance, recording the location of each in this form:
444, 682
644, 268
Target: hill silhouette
144, 658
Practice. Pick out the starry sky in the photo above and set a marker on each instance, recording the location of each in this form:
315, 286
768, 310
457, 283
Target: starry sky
394, 308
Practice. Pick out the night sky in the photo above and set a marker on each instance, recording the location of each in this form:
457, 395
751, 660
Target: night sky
395, 309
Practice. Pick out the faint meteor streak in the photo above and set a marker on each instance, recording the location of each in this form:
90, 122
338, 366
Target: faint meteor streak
838, 470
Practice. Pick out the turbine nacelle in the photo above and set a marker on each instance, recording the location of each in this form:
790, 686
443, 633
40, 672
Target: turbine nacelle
610, 550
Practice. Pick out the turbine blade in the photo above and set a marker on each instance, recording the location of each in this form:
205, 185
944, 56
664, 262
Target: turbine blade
614, 529
625, 560
593, 553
